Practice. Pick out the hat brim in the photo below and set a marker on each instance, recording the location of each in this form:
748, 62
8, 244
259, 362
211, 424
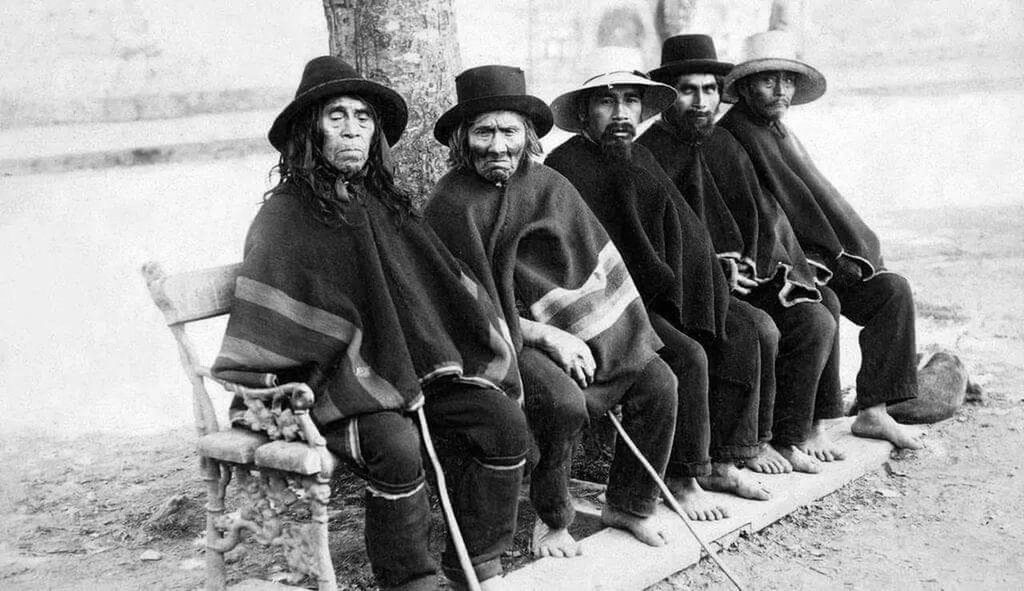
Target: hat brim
657, 97
392, 113
810, 83
536, 110
667, 73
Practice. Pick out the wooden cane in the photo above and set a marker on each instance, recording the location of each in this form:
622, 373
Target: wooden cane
446, 506
671, 499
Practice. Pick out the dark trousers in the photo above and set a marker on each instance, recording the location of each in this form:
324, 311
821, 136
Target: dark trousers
725, 397
384, 449
807, 365
883, 307
557, 410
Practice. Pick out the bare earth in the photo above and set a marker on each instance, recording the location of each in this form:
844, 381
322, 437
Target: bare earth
948, 517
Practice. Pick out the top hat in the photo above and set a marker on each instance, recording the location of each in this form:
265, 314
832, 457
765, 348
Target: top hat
774, 51
688, 54
656, 97
492, 88
329, 76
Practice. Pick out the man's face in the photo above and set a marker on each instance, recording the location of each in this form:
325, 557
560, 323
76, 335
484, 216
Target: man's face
496, 141
347, 124
768, 94
611, 117
696, 104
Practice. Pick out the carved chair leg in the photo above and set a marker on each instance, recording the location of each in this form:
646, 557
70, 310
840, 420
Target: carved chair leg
319, 491
216, 476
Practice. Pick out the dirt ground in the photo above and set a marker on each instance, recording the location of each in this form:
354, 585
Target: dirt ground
950, 516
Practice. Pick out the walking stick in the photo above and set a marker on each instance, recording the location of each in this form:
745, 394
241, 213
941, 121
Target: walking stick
446, 506
671, 499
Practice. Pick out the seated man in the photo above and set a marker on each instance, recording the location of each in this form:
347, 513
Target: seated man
752, 237
586, 343
343, 287
722, 352
830, 232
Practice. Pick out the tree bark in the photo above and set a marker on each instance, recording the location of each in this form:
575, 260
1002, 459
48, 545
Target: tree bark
409, 45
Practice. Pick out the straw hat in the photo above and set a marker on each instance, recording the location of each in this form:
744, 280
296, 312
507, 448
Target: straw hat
774, 51
656, 97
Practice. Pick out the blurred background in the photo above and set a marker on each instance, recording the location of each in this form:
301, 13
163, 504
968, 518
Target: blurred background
923, 112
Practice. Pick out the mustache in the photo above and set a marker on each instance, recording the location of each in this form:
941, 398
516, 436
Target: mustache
620, 127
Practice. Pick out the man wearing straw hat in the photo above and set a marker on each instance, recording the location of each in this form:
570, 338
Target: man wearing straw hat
831, 233
344, 287
722, 351
585, 341
752, 236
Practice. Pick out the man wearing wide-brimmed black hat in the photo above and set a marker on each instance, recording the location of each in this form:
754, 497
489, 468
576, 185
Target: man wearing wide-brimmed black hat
830, 232
752, 236
344, 287
585, 340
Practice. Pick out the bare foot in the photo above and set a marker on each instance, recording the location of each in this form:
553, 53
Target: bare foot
643, 528
697, 505
820, 447
726, 477
768, 461
801, 462
556, 543
875, 423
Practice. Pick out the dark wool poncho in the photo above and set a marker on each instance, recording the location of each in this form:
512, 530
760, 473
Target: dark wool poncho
825, 224
537, 246
366, 313
717, 179
665, 246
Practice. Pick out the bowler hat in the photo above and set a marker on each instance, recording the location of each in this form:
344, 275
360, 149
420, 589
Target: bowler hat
492, 88
329, 76
774, 51
688, 54
656, 97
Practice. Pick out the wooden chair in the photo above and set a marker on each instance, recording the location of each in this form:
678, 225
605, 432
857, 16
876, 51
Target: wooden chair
280, 464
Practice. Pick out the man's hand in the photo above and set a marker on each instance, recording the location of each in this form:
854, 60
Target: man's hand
567, 351
743, 285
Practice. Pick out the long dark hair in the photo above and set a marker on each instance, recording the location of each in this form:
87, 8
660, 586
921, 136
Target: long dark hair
304, 166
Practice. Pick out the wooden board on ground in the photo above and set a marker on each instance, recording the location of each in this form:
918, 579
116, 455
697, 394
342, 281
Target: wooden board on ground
614, 560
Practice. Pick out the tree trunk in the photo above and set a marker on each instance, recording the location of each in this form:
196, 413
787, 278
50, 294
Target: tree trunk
409, 45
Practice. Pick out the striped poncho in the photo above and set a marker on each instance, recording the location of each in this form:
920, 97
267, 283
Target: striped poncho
540, 250
366, 313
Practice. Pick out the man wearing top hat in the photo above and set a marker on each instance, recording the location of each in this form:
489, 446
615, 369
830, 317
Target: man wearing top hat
584, 338
721, 351
831, 233
752, 237
344, 287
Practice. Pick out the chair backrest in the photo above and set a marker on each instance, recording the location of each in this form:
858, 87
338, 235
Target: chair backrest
188, 297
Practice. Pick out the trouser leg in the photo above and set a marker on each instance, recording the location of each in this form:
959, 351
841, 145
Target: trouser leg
828, 403
884, 307
384, 449
485, 492
556, 410
649, 418
689, 363
806, 368
736, 386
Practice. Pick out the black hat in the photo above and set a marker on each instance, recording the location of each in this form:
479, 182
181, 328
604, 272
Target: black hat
492, 88
329, 76
688, 54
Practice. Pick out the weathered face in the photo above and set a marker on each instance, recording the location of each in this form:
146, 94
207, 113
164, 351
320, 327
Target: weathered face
497, 140
769, 94
697, 101
347, 124
614, 110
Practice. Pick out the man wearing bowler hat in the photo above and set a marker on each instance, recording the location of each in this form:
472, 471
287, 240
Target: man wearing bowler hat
764, 261
830, 232
344, 287
574, 313
717, 349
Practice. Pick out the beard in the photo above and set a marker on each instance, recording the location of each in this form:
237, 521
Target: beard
618, 147
771, 109
692, 124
